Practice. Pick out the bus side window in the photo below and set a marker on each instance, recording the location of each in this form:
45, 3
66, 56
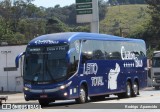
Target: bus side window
115, 55
86, 56
98, 54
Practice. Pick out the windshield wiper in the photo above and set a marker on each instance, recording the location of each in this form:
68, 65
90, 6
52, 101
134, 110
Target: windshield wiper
50, 73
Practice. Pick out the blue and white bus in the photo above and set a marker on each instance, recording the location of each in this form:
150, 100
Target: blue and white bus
77, 65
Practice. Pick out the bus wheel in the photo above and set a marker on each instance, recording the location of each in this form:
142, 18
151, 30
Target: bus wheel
128, 90
43, 103
82, 95
135, 89
126, 94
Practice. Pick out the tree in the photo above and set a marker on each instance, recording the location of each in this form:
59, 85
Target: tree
55, 25
32, 27
102, 9
154, 11
119, 2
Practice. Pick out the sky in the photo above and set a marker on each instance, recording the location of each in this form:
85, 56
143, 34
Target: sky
52, 3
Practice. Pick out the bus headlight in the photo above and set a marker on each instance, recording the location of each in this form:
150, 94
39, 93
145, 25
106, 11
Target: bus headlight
64, 86
65, 94
153, 79
26, 88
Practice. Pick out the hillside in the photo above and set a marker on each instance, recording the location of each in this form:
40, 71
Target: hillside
125, 20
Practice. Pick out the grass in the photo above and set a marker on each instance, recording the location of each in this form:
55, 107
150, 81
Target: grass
129, 18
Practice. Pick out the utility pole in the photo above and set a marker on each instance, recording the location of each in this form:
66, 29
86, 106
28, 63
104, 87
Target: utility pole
95, 18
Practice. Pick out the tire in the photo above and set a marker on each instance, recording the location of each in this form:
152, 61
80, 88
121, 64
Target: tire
128, 92
43, 103
82, 95
135, 89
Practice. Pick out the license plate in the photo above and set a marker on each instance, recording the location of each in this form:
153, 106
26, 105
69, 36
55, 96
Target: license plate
43, 96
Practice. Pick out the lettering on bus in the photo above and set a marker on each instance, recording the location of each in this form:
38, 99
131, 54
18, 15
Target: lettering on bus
38, 42
56, 48
128, 55
97, 81
90, 68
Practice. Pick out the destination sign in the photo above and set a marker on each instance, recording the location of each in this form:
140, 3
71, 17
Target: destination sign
56, 48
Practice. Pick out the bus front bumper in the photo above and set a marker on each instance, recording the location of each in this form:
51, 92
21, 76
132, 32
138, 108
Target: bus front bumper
156, 81
46, 95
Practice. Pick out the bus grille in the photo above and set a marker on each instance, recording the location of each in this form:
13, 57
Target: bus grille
158, 81
157, 73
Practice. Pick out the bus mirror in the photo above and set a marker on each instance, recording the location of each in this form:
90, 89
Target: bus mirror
69, 54
17, 59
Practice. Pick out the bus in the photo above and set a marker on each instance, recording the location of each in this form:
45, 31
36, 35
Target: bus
78, 65
155, 70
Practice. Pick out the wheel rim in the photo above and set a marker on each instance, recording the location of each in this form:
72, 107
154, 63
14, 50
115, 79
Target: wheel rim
135, 88
128, 90
82, 94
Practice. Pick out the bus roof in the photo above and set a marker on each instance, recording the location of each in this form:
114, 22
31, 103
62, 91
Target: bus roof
67, 37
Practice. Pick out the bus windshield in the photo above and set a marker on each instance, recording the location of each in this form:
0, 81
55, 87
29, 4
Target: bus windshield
45, 64
156, 61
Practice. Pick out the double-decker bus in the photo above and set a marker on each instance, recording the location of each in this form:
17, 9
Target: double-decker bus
77, 65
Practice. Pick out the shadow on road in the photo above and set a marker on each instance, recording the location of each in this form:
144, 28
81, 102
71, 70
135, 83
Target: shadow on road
73, 105
150, 89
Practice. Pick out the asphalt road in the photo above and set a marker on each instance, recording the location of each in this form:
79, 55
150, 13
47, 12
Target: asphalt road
148, 99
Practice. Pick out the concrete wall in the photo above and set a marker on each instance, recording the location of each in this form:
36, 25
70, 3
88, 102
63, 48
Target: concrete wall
10, 80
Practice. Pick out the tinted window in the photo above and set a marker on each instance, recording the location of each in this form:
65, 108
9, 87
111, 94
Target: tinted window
112, 49
92, 49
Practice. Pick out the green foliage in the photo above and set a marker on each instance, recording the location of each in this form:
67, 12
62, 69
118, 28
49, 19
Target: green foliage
22, 21
125, 20
154, 11
150, 51
117, 2
32, 27
80, 29
54, 25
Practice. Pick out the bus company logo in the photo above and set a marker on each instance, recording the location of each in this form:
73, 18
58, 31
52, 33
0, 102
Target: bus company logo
90, 68
6, 106
20, 106
128, 55
39, 42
